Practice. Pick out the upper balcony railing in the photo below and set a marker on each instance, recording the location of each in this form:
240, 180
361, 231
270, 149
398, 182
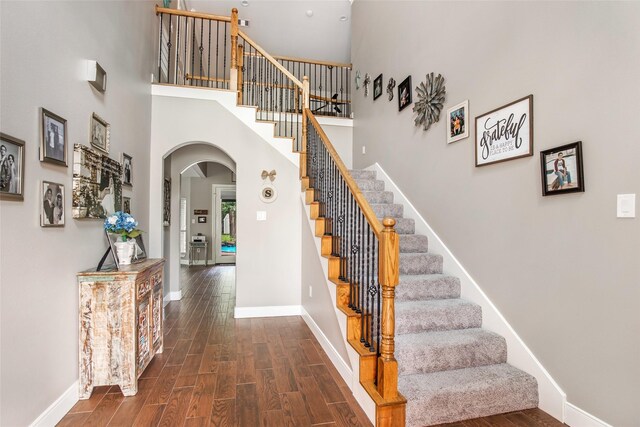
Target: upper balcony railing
195, 49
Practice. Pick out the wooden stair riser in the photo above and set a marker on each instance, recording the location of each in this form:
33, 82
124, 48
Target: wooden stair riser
314, 210
309, 196
391, 415
304, 183
321, 227
334, 268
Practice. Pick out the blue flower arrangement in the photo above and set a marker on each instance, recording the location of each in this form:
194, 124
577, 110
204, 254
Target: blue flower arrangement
123, 224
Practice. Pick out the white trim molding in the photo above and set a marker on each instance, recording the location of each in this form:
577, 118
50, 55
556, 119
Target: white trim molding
267, 311
345, 370
552, 397
576, 417
58, 409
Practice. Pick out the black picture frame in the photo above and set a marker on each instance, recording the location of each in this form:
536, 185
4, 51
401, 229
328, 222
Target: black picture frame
166, 204
11, 168
202, 220
127, 170
554, 181
126, 205
377, 87
404, 94
53, 138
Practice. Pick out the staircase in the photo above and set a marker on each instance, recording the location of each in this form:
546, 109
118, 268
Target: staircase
450, 369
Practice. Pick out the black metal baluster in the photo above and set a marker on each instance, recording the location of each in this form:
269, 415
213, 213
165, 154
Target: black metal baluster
193, 44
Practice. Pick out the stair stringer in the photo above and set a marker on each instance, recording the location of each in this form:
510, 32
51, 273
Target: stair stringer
552, 398
246, 114
350, 376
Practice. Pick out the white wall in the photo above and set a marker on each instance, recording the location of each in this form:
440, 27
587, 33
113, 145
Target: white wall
268, 254
563, 270
43, 46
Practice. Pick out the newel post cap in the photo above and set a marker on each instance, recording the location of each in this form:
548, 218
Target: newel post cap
389, 223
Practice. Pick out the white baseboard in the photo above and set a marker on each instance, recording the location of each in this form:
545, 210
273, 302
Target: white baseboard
58, 409
175, 296
342, 367
166, 300
269, 311
552, 397
576, 417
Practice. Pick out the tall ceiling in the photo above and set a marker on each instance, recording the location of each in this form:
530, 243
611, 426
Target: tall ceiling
283, 27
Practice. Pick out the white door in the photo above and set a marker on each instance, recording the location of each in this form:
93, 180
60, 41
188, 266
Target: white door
224, 224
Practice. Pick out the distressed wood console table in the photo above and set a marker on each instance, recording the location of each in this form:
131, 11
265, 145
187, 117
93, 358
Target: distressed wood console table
120, 324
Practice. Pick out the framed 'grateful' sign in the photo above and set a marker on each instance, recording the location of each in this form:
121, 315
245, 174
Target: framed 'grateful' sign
505, 133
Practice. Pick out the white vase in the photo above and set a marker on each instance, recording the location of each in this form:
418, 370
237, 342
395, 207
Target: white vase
125, 251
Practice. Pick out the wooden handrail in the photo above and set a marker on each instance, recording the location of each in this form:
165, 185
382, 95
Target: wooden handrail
313, 61
306, 61
271, 59
192, 14
207, 79
370, 216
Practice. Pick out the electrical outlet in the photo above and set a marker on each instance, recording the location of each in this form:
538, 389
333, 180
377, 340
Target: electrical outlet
310, 292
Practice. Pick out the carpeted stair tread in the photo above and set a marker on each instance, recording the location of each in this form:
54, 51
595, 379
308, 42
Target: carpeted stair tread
404, 225
427, 286
420, 263
378, 196
463, 394
448, 350
362, 174
370, 185
412, 243
387, 210
436, 315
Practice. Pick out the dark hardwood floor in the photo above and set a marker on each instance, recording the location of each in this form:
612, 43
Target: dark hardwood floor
219, 371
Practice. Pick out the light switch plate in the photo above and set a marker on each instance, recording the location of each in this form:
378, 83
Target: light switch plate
261, 215
626, 206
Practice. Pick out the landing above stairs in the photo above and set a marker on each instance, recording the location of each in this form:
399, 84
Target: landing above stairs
450, 369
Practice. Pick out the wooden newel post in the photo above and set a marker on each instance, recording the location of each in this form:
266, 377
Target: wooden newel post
234, 38
240, 81
305, 92
389, 275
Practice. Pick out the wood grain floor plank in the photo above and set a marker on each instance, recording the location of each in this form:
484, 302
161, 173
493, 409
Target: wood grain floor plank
179, 352
344, 415
196, 422
310, 352
223, 413
227, 380
149, 416
177, 406
164, 385
246, 368
209, 363
261, 356
247, 413
72, 420
203, 394
103, 413
328, 387
131, 406
294, 410
268, 397
88, 405
271, 419
313, 401
285, 377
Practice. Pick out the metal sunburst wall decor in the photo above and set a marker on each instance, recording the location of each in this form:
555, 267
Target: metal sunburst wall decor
366, 83
390, 86
431, 96
357, 79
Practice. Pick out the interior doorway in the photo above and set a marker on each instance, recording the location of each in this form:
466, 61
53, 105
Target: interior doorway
224, 242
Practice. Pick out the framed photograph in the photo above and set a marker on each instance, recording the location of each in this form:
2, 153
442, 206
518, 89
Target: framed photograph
53, 202
127, 169
11, 168
404, 94
97, 184
202, 220
126, 205
166, 206
458, 128
53, 141
99, 133
505, 133
377, 87
561, 169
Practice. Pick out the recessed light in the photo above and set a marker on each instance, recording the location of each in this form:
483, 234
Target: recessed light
309, 13
244, 3
343, 18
